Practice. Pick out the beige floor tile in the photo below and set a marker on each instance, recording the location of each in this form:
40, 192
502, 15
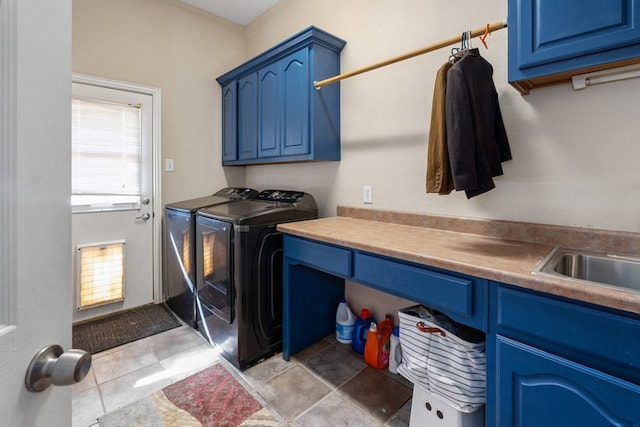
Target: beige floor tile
377, 393
174, 341
190, 361
114, 364
267, 369
86, 407
312, 349
303, 391
293, 392
133, 386
335, 364
336, 410
402, 417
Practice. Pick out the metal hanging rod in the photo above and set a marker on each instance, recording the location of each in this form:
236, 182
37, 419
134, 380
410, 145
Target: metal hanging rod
444, 43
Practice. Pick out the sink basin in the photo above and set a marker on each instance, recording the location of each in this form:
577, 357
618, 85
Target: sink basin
618, 271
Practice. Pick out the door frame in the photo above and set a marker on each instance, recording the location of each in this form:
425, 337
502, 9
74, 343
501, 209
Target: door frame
156, 146
8, 224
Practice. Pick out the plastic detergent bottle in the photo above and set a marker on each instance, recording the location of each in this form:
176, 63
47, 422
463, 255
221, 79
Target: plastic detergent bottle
372, 346
345, 321
395, 357
360, 330
385, 329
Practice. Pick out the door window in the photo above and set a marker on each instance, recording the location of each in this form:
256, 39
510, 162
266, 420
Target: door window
106, 155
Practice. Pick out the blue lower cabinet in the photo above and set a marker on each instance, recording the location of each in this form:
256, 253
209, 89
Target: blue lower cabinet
461, 297
310, 300
555, 362
551, 361
314, 276
535, 389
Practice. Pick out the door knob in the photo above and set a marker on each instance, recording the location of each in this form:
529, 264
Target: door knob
144, 217
145, 200
53, 365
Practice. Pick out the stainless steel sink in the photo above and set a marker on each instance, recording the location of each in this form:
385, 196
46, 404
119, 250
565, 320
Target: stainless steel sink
618, 271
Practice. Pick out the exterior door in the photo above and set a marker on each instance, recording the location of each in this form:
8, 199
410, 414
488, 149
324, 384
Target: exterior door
127, 218
35, 222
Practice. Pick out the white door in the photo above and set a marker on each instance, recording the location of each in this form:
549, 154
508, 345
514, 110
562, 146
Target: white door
127, 218
35, 222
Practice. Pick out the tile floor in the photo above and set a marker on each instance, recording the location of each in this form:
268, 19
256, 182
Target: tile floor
327, 384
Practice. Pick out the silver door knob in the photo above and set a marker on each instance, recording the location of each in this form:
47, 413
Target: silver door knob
53, 365
144, 217
145, 201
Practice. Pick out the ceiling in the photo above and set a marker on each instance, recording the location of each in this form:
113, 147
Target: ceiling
240, 11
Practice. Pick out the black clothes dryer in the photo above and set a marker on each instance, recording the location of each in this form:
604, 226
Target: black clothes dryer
179, 260
239, 276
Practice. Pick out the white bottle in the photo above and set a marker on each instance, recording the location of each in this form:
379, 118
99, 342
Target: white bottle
395, 355
345, 321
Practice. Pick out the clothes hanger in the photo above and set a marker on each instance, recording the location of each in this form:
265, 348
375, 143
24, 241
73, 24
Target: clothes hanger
458, 52
487, 31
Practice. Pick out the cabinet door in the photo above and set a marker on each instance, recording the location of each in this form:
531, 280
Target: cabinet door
269, 107
229, 129
296, 109
539, 389
560, 33
248, 117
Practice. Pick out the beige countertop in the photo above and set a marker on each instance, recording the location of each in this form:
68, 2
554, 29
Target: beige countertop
494, 258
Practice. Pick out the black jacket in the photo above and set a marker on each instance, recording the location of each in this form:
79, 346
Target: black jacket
476, 138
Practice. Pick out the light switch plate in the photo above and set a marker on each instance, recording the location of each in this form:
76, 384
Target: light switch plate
367, 194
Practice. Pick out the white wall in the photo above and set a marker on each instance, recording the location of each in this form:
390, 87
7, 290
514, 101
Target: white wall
181, 50
575, 153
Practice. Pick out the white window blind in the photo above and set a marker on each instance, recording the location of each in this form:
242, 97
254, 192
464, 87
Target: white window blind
106, 155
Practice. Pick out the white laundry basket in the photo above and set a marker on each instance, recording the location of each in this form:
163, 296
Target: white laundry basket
437, 358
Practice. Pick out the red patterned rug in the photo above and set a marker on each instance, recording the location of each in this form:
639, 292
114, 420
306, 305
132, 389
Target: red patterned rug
210, 398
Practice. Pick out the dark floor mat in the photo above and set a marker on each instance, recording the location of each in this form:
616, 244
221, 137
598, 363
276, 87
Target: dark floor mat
123, 327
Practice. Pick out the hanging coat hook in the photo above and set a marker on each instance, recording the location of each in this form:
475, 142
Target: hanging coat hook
487, 31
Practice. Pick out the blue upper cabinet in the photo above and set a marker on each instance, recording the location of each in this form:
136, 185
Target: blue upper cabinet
246, 127
551, 40
229, 117
269, 110
276, 115
295, 96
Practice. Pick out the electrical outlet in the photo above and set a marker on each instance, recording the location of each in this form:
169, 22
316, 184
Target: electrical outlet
367, 194
168, 165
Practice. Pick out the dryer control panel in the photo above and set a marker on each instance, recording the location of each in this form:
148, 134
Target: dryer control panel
237, 193
285, 196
